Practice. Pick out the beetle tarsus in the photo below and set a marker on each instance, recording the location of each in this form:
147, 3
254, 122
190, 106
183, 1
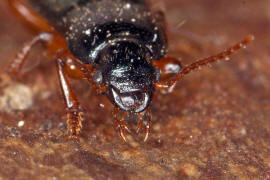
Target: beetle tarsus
140, 125
120, 125
74, 122
148, 125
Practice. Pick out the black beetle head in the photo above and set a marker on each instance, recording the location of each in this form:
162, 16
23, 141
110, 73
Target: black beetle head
129, 76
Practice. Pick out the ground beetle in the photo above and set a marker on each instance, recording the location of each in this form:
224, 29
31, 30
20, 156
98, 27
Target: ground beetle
119, 46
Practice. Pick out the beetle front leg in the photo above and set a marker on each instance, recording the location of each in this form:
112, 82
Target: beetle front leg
74, 111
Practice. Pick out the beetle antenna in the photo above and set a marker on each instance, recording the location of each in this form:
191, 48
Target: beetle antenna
220, 56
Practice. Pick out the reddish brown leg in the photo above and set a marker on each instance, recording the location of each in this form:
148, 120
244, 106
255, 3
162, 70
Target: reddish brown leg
54, 41
30, 16
148, 125
74, 111
77, 70
67, 66
223, 55
121, 125
140, 123
16, 65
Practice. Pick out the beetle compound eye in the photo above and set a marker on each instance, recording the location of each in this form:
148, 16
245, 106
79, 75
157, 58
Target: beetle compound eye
97, 77
158, 74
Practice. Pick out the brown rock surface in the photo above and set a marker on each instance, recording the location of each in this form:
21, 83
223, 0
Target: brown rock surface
215, 125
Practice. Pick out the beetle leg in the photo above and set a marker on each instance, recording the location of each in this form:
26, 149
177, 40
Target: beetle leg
148, 125
16, 65
196, 65
69, 66
74, 111
140, 123
121, 125
77, 70
30, 16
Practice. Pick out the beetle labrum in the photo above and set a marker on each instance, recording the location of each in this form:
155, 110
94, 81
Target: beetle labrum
118, 46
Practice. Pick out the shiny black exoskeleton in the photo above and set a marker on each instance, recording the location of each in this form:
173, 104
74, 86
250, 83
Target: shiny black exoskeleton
129, 75
119, 38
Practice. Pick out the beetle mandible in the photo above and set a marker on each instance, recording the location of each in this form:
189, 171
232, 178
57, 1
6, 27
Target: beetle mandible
118, 46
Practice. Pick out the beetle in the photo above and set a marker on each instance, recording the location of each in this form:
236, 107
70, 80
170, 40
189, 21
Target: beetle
118, 46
